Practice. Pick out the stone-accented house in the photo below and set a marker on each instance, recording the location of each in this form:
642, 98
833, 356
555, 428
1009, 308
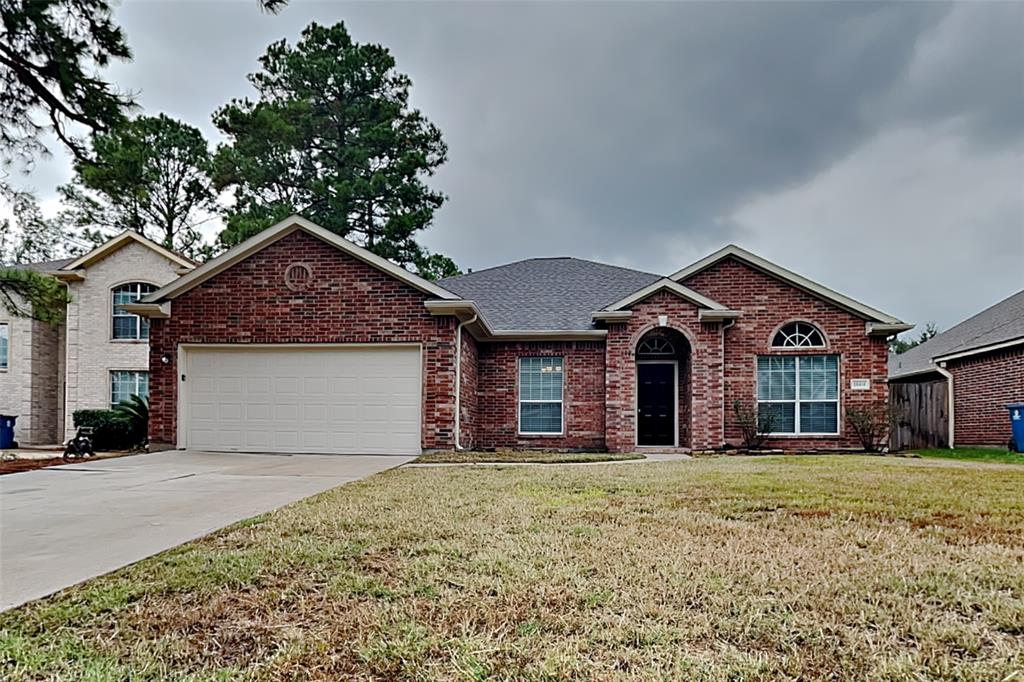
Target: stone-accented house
981, 361
300, 341
99, 355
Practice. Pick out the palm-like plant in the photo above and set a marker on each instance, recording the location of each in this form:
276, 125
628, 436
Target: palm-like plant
136, 410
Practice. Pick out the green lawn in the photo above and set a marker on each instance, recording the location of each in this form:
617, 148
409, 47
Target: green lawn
523, 456
975, 454
729, 568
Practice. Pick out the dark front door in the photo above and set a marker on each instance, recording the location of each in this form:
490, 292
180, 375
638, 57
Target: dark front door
655, 404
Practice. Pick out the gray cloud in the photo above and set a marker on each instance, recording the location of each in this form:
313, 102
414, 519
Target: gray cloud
650, 134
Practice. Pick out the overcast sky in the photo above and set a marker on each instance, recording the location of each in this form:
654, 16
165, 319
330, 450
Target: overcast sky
877, 148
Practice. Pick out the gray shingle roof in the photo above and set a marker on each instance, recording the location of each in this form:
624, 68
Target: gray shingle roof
546, 293
1002, 322
43, 266
46, 265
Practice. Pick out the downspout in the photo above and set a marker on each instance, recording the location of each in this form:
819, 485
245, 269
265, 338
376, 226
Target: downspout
458, 379
949, 397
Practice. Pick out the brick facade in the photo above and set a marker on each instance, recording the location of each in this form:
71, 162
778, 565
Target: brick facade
703, 372
583, 395
766, 304
92, 352
982, 386
347, 301
468, 404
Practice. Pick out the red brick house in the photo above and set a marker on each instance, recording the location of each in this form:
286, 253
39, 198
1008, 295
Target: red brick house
300, 341
981, 363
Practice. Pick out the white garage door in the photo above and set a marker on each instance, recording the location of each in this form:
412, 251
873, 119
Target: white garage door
332, 400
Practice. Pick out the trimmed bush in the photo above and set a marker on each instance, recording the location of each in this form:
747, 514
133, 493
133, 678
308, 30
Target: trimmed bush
112, 430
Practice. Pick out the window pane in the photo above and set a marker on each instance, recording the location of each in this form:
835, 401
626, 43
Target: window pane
540, 379
782, 415
819, 417
143, 328
4, 345
540, 417
126, 327
819, 377
776, 378
124, 384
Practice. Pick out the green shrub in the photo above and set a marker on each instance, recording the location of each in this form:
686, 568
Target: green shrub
112, 430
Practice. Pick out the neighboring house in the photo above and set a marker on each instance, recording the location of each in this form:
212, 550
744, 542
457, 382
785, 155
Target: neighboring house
99, 355
981, 361
299, 341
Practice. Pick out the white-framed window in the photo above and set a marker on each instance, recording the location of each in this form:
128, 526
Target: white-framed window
540, 395
126, 383
127, 325
5, 345
800, 392
798, 335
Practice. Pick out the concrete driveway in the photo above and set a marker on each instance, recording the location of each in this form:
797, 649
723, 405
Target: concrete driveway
62, 525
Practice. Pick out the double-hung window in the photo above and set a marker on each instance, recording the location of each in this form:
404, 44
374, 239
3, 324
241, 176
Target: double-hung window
5, 345
800, 393
540, 395
126, 383
128, 326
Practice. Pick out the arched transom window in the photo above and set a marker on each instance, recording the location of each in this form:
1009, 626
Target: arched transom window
655, 344
127, 325
798, 335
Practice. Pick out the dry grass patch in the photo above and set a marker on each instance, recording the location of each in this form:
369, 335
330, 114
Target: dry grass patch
523, 457
761, 568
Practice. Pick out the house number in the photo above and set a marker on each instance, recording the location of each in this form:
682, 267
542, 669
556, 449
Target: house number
860, 384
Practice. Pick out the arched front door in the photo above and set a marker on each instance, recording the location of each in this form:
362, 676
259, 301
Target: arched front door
661, 357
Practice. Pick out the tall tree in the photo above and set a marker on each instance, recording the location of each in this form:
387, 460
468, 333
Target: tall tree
29, 237
332, 136
50, 55
151, 175
898, 345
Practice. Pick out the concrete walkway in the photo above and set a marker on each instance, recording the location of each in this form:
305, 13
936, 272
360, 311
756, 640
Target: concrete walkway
647, 459
62, 525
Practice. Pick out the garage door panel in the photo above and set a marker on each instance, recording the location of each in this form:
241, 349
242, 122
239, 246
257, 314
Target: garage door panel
363, 400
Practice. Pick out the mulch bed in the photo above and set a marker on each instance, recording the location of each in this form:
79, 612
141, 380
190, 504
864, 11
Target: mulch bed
15, 465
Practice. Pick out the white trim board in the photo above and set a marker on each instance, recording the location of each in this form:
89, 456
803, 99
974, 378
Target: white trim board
115, 243
665, 284
277, 232
799, 281
955, 355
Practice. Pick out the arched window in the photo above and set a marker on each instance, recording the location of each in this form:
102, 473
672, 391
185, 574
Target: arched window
128, 326
655, 344
798, 335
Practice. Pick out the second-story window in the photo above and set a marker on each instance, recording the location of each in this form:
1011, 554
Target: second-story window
128, 326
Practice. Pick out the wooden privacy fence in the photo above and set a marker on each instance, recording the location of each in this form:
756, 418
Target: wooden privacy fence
920, 415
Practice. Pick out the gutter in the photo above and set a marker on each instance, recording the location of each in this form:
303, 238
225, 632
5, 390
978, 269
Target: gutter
458, 380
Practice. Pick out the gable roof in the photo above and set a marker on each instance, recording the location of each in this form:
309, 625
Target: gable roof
666, 284
753, 260
998, 326
276, 233
42, 266
119, 241
547, 293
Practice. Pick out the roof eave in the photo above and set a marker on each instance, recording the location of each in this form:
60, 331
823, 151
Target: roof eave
279, 231
799, 281
118, 241
988, 348
160, 311
664, 284
884, 329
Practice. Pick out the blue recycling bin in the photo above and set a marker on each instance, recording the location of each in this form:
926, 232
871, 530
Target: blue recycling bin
7, 430
1017, 424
